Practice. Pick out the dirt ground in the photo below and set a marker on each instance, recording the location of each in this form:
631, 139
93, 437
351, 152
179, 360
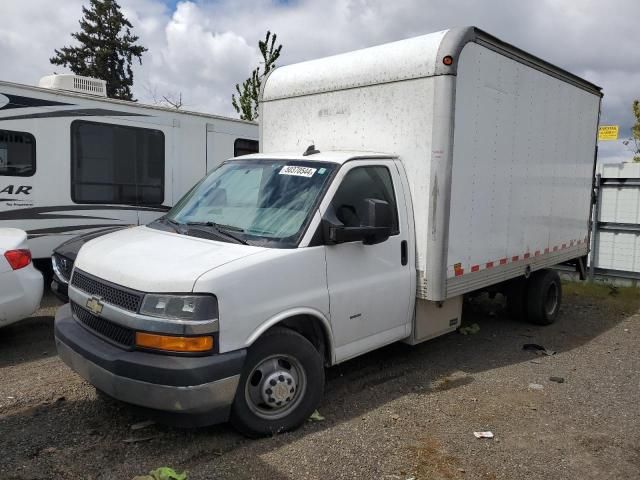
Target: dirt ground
399, 413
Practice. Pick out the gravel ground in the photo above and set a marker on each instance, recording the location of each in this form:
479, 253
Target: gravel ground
397, 413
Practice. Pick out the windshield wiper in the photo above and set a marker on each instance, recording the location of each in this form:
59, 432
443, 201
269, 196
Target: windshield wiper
221, 229
173, 223
164, 220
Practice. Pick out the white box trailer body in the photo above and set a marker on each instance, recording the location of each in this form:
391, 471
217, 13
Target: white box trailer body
50, 196
499, 147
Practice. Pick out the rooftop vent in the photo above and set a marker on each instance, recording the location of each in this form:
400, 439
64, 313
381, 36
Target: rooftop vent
75, 83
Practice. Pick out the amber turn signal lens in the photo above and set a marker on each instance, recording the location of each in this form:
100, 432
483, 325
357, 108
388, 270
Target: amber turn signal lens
448, 60
174, 344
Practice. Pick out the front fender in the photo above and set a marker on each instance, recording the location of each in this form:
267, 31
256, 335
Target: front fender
290, 313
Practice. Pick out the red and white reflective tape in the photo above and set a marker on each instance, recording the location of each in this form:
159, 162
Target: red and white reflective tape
458, 270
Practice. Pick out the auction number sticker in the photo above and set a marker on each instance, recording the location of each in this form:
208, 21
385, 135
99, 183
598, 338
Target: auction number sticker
298, 171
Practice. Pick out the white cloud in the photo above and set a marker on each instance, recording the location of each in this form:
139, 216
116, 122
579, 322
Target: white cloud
189, 54
203, 48
194, 48
29, 32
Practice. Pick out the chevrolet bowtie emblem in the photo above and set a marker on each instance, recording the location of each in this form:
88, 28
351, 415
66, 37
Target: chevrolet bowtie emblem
94, 305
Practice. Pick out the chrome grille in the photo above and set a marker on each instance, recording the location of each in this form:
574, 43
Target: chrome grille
109, 293
107, 329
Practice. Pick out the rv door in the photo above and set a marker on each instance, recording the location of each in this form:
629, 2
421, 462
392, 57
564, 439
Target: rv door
227, 140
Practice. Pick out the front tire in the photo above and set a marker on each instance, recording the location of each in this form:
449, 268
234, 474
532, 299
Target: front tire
281, 384
544, 296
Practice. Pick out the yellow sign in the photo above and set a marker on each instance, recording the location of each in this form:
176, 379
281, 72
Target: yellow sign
608, 132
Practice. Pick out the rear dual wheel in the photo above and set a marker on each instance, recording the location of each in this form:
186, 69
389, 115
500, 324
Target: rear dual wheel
544, 296
536, 299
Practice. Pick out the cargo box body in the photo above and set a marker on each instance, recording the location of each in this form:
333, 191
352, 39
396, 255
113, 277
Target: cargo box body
498, 147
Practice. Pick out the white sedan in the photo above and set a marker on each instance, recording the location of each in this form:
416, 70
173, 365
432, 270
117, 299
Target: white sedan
20, 283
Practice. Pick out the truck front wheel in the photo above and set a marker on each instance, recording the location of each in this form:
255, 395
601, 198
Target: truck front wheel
281, 385
544, 296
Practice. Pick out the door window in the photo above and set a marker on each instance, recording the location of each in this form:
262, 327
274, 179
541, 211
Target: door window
116, 164
358, 185
17, 154
242, 146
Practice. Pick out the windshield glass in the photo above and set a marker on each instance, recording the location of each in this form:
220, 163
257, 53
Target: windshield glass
264, 202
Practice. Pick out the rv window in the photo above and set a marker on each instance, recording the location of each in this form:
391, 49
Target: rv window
116, 164
17, 154
242, 146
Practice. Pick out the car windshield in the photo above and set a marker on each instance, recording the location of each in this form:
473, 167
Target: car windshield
262, 202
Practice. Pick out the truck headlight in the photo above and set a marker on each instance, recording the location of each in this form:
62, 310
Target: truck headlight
180, 307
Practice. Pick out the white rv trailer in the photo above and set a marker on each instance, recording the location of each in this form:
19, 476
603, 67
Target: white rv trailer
72, 160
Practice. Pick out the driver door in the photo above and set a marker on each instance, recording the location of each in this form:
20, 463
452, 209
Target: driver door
369, 285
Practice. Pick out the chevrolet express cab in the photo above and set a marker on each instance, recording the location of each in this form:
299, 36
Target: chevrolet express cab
392, 181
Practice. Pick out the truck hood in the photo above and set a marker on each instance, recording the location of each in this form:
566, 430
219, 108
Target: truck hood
70, 248
151, 260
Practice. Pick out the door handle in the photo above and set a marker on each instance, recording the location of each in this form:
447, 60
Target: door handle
404, 257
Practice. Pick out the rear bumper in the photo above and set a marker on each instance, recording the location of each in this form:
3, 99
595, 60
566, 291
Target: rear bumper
185, 385
20, 294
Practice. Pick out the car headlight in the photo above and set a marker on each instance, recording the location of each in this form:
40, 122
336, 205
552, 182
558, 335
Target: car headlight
180, 307
62, 267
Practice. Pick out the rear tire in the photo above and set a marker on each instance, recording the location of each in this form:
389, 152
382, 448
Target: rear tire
281, 384
544, 297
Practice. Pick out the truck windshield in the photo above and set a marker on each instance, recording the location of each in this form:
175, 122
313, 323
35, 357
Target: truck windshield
261, 202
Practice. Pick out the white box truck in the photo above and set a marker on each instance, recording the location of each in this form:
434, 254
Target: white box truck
392, 181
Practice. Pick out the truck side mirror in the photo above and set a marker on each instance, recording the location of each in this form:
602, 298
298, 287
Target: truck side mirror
377, 213
374, 228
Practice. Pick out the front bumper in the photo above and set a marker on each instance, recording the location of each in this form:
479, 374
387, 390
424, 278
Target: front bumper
60, 289
176, 384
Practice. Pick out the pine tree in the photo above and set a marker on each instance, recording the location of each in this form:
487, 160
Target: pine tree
107, 48
246, 103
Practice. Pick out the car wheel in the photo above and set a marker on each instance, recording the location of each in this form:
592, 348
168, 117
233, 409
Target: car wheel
281, 384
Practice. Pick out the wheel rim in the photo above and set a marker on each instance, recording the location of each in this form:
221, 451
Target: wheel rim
551, 300
275, 387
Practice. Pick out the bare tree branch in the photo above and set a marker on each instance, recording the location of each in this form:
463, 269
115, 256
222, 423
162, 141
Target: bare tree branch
168, 100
